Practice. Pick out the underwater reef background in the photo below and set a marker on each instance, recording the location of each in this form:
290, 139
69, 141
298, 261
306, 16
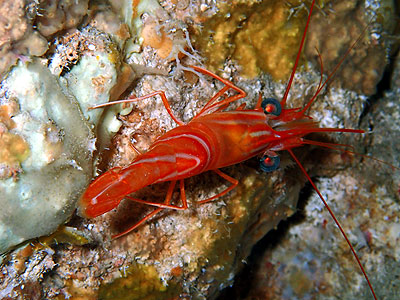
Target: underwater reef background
59, 58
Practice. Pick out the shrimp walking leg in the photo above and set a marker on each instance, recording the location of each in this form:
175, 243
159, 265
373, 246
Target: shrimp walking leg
184, 206
228, 189
211, 104
159, 93
167, 201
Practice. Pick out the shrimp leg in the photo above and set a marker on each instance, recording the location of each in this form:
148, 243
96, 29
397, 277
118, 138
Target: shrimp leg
184, 206
159, 93
167, 201
228, 189
210, 105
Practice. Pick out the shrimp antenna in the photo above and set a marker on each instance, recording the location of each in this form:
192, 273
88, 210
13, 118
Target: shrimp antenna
335, 220
302, 112
330, 76
303, 38
336, 147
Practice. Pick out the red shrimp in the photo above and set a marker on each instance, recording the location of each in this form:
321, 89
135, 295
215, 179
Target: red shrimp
203, 143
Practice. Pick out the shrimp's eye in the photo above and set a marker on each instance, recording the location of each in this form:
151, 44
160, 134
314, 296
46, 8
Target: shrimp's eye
271, 106
269, 163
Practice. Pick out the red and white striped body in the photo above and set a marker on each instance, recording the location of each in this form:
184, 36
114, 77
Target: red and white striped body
208, 142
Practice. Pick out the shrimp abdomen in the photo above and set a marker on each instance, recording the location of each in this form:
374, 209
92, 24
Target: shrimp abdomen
102, 195
173, 156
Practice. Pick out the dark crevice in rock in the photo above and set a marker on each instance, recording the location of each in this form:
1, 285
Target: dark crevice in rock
245, 279
383, 86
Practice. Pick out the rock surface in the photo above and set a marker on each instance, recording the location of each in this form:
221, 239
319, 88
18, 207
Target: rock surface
194, 254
